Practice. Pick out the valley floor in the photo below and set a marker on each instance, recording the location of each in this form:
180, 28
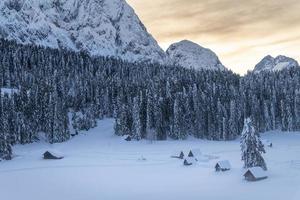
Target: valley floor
101, 166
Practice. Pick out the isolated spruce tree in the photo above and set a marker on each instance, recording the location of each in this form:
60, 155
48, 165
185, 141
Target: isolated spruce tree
252, 147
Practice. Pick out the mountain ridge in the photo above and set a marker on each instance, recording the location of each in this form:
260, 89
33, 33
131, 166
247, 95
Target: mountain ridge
191, 55
99, 27
269, 63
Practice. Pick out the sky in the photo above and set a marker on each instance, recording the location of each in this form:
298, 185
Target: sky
240, 32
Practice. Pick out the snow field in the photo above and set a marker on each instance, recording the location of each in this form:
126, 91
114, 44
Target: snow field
99, 165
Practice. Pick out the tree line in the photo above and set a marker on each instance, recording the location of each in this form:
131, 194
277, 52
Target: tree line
60, 93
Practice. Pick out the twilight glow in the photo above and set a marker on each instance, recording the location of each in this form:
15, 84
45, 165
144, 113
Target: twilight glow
241, 32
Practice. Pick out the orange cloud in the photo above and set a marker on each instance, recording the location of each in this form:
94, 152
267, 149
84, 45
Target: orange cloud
241, 32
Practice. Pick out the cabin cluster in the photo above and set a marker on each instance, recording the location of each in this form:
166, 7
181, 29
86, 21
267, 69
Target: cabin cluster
193, 156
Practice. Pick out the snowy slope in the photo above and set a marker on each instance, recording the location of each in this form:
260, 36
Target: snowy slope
99, 165
100, 27
192, 55
279, 63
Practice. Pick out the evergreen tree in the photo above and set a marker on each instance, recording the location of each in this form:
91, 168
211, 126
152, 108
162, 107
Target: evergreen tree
178, 122
233, 121
297, 109
252, 147
137, 127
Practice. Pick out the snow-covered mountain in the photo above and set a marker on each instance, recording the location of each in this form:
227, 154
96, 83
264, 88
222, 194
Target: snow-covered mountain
192, 55
270, 63
100, 27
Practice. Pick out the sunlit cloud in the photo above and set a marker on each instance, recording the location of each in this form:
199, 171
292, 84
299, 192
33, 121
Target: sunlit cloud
241, 32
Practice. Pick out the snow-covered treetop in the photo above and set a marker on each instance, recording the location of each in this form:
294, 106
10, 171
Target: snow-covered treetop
248, 127
270, 63
191, 55
100, 27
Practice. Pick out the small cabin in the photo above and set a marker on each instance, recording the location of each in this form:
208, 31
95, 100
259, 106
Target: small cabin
223, 165
127, 138
180, 156
255, 174
267, 143
188, 161
190, 154
195, 153
51, 156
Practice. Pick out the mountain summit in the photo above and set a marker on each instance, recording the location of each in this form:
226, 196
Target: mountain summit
279, 63
191, 55
99, 27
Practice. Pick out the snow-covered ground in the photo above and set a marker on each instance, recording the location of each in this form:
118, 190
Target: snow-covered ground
99, 165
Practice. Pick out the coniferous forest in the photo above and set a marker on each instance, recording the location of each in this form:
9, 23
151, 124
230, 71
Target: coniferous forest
58, 93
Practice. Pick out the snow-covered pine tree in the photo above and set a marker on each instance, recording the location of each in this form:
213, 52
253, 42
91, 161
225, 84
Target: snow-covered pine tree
197, 113
136, 124
284, 115
233, 121
267, 118
252, 147
124, 121
150, 117
297, 109
178, 122
5, 147
219, 120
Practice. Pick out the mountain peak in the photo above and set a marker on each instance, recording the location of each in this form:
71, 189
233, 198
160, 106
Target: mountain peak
191, 55
99, 27
270, 63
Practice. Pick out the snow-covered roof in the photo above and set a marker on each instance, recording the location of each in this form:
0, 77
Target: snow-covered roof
55, 153
196, 152
125, 136
224, 164
257, 172
190, 159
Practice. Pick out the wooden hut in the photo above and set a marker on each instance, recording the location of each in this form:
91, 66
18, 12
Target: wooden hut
51, 156
127, 138
267, 143
190, 154
223, 165
255, 174
188, 161
181, 155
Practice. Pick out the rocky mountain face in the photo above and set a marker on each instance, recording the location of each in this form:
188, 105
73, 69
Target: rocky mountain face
192, 55
99, 27
270, 63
